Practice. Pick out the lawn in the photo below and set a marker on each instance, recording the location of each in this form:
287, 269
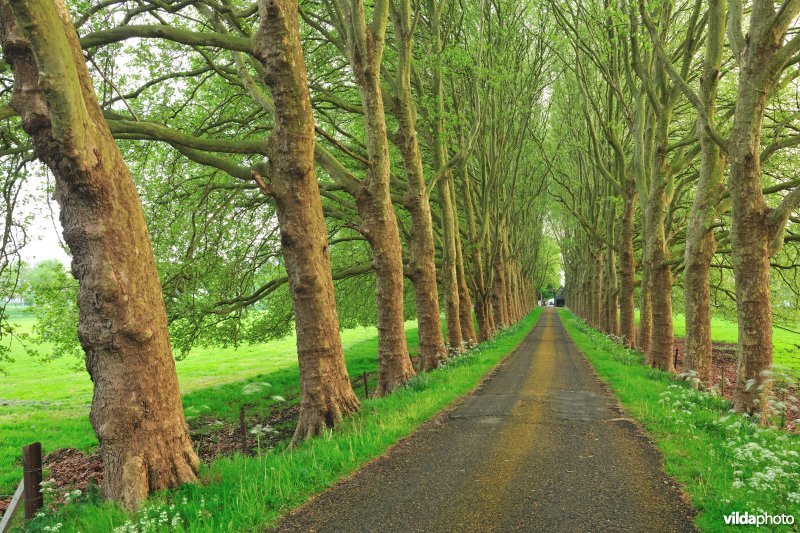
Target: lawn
725, 462
248, 493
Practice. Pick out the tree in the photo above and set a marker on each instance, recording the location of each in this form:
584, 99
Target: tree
327, 396
136, 409
757, 230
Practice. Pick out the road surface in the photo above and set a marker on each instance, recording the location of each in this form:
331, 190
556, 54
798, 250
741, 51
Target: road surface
540, 446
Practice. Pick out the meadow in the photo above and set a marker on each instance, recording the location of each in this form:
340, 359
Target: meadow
48, 401
786, 344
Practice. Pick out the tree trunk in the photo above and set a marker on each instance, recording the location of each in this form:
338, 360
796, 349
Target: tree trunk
627, 269
483, 314
700, 242
136, 408
468, 334
750, 239
432, 350
498, 293
597, 292
660, 280
449, 272
464, 300
326, 393
373, 201
611, 293
645, 313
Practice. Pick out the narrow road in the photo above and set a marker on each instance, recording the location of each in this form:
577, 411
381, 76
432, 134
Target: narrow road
541, 446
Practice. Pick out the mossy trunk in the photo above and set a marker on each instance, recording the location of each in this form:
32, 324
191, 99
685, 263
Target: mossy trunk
432, 349
700, 242
374, 203
627, 269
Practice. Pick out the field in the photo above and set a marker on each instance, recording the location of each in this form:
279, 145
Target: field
786, 343
49, 401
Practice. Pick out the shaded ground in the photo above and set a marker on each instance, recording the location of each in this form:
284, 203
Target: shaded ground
541, 446
723, 377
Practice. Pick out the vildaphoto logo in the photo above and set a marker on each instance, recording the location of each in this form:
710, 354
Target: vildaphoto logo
764, 519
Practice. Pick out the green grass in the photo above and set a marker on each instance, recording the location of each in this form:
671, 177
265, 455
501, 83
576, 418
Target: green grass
211, 381
243, 493
786, 344
724, 462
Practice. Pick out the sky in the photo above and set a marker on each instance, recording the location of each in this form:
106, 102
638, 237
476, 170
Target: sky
44, 230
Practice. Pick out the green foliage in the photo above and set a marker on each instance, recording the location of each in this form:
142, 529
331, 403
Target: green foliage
54, 293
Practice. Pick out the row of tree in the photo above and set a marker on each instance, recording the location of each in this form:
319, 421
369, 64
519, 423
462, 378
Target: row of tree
276, 150
681, 169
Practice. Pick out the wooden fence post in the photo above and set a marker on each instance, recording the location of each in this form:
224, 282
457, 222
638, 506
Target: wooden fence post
32, 478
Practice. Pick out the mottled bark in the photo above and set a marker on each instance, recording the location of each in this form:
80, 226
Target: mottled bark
498, 293
483, 310
464, 299
645, 313
627, 269
752, 228
373, 201
423, 252
700, 242
660, 284
448, 268
326, 393
136, 406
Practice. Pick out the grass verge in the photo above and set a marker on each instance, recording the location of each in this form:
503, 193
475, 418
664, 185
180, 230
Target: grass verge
725, 462
242, 493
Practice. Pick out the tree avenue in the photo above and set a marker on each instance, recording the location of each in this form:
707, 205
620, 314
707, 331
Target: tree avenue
688, 116
284, 156
231, 172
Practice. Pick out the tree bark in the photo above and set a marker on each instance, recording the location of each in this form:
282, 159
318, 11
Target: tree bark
750, 231
449, 272
468, 334
700, 242
136, 407
326, 393
483, 313
373, 201
464, 299
645, 313
660, 281
432, 350
627, 269
450, 286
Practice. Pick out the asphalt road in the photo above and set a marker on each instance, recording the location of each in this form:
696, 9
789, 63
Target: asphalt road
540, 446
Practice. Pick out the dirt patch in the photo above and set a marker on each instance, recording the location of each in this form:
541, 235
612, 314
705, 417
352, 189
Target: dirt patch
256, 433
723, 377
